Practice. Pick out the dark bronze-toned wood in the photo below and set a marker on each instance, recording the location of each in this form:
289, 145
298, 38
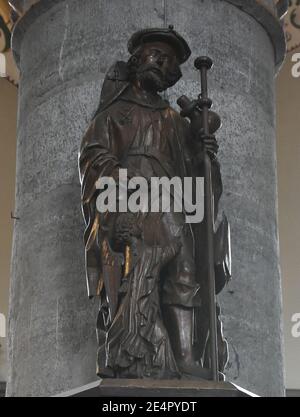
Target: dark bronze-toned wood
171, 388
203, 64
158, 318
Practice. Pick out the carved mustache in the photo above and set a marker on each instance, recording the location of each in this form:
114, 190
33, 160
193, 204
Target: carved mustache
170, 77
147, 68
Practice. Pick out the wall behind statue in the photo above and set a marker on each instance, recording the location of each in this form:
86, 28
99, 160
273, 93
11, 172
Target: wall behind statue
8, 114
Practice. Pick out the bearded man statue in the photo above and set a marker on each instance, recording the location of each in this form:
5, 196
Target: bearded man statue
153, 317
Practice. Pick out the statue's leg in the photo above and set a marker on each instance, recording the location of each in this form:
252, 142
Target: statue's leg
180, 325
181, 302
181, 296
180, 321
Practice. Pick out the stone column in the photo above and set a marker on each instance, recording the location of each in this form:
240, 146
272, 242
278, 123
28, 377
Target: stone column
63, 49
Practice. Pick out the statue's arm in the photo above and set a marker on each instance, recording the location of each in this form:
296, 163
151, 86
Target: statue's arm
97, 156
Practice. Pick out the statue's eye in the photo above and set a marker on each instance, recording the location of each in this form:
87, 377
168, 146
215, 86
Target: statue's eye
156, 53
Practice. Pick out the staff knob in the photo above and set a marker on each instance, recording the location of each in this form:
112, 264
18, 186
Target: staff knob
188, 106
203, 61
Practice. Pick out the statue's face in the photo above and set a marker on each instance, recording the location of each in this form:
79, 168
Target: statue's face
158, 67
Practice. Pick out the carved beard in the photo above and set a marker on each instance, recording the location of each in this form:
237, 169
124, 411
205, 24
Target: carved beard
152, 78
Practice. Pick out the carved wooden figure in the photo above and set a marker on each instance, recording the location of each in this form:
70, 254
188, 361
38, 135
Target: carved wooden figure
150, 269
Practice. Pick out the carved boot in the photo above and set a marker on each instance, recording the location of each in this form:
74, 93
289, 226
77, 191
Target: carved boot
179, 323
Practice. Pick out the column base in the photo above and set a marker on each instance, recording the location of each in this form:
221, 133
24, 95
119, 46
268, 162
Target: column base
158, 388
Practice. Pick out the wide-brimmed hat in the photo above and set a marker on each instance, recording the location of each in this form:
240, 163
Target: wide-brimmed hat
168, 35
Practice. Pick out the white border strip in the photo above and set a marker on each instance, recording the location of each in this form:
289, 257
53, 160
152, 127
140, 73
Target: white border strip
251, 394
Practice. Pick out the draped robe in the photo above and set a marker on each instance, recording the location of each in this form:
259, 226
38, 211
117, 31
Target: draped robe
142, 133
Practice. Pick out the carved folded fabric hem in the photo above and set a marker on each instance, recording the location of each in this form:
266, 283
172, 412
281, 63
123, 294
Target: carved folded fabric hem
137, 343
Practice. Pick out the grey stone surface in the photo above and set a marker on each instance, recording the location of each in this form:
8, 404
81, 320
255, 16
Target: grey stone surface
265, 12
64, 51
166, 388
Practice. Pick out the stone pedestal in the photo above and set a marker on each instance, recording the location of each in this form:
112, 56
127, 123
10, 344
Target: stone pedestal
63, 49
164, 389
143, 388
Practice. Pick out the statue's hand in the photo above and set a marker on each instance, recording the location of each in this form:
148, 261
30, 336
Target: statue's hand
214, 123
126, 228
210, 144
206, 143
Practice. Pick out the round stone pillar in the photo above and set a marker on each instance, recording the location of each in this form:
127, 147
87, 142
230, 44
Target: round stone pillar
63, 49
